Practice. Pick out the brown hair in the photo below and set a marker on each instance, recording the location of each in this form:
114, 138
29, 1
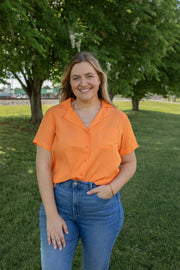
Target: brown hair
79, 58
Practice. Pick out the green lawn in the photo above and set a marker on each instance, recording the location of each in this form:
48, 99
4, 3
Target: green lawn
149, 236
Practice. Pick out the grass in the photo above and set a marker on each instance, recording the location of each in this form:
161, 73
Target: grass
148, 239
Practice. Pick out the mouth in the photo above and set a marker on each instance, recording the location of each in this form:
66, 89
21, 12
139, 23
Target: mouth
84, 90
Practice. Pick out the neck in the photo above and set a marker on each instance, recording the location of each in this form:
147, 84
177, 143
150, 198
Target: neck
78, 105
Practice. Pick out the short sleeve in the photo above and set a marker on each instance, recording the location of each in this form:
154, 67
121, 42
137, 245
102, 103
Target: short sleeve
46, 132
128, 141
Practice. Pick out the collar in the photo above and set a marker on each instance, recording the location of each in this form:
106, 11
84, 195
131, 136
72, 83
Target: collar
72, 116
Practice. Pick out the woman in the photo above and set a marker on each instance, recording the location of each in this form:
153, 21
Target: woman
80, 144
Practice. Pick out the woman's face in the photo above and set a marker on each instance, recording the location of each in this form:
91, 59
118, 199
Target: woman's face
84, 82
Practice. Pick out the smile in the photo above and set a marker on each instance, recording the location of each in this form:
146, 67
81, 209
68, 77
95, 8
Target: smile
84, 90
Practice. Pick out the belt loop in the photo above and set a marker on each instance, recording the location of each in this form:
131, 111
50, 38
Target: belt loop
90, 185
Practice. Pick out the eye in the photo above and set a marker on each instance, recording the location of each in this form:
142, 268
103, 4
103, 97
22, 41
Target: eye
90, 76
75, 78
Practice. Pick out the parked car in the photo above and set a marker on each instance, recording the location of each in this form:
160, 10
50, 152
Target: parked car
4, 95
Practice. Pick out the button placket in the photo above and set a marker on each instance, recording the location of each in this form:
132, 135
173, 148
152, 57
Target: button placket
86, 154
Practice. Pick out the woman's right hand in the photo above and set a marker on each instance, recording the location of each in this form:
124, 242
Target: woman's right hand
56, 227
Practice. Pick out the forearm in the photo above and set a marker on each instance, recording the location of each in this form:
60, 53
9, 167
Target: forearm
126, 172
46, 191
44, 177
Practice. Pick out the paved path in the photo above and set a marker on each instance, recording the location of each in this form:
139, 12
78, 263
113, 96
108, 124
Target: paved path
56, 101
26, 101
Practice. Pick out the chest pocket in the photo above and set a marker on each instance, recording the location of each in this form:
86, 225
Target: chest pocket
107, 138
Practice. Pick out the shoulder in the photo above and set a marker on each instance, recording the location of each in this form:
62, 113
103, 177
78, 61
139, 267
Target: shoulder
120, 118
114, 111
118, 113
59, 109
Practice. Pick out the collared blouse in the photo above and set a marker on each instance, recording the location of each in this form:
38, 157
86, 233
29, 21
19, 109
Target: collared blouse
90, 154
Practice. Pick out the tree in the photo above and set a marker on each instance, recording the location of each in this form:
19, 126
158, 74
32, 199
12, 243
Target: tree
170, 70
37, 38
148, 33
132, 46
34, 39
129, 37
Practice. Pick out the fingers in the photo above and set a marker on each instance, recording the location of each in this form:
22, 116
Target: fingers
57, 241
49, 238
54, 243
56, 237
65, 229
93, 191
103, 191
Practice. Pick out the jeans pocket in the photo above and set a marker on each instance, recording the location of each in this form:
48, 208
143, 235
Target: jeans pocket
102, 199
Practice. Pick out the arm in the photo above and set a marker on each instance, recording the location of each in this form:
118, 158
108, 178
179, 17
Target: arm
55, 224
126, 172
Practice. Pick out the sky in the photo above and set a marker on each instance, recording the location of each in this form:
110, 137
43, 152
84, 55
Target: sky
14, 83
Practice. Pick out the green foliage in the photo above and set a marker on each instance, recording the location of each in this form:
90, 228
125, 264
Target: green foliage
136, 42
33, 37
147, 34
171, 70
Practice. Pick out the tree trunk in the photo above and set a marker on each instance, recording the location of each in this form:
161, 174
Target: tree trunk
174, 98
135, 104
35, 101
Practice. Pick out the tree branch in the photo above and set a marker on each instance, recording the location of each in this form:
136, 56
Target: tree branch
19, 80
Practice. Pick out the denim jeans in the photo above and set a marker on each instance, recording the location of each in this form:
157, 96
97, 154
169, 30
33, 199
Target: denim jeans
95, 220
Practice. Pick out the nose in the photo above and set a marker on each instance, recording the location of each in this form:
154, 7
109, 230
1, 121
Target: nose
83, 81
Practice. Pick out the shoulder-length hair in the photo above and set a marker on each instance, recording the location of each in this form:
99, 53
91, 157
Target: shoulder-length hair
79, 58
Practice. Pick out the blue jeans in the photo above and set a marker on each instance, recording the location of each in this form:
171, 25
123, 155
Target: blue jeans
95, 220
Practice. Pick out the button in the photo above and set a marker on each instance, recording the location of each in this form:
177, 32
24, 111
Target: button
85, 160
86, 146
75, 183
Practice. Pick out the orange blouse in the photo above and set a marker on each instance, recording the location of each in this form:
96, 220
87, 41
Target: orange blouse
90, 154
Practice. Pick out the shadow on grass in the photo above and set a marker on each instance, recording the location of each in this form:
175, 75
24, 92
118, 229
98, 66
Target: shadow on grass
149, 236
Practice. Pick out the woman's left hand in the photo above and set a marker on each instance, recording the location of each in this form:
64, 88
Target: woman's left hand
103, 191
